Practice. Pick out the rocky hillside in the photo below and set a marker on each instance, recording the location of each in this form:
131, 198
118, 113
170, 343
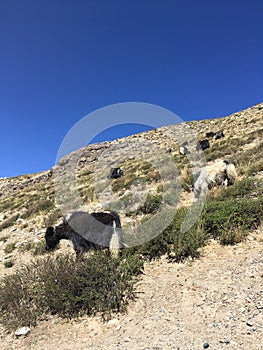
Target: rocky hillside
30, 203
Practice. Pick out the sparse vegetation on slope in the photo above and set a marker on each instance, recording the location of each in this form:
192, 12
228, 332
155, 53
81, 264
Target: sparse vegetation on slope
57, 284
62, 286
238, 210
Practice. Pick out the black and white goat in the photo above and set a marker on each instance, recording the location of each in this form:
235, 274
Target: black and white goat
87, 231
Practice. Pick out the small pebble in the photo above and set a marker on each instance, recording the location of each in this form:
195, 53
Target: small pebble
113, 322
206, 346
8, 256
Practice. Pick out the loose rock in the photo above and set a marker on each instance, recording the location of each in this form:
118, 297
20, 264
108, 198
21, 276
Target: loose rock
22, 331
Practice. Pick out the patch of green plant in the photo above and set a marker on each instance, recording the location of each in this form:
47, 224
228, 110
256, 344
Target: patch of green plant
9, 222
151, 204
123, 182
37, 206
230, 220
218, 151
247, 187
172, 241
4, 239
87, 194
134, 170
9, 247
187, 181
68, 288
8, 264
250, 157
36, 248
4, 204
152, 176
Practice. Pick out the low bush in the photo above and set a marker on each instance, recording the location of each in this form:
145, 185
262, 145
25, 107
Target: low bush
103, 284
247, 187
8, 264
231, 219
9, 247
172, 242
4, 239
187, 180
62, 286
151, 204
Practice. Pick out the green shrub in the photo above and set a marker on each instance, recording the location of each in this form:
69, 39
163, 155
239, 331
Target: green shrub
247, 187
172, 242
9, 248
8, 264
187, 181
4, 239
151, 204
254, 168
68, 288
229, 220
38, 248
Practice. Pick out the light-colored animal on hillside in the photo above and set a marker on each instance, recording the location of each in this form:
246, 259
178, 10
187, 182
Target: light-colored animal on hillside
222, 172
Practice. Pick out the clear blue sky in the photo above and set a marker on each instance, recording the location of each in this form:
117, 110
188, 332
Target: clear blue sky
62, 59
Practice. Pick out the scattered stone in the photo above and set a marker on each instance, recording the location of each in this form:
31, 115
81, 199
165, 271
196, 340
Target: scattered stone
22, 331
249, 323
206, 346
18, 244
127, 339
93, 334
113, 322
39, 233
8, 256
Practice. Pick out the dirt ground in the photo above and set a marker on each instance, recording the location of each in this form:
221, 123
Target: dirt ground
213, 302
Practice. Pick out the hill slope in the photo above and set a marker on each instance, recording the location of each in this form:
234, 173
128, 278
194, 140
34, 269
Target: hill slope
155, 321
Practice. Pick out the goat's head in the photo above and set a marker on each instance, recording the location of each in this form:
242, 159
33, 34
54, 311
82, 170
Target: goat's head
51, 238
